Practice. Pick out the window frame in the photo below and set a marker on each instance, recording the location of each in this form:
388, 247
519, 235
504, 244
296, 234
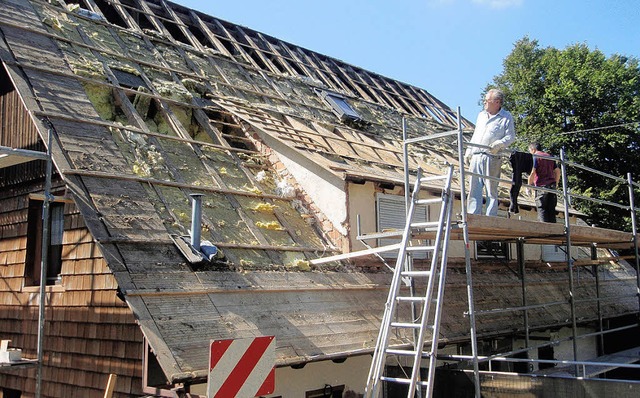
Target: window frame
33, 256
504, 247
340, 106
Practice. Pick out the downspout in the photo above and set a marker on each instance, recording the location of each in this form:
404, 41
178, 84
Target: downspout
44, 263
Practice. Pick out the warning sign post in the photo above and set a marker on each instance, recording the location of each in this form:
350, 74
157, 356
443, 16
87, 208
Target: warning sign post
242, 368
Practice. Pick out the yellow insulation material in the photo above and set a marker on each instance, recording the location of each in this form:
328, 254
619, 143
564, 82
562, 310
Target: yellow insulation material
302, 265
264, 207
273, 225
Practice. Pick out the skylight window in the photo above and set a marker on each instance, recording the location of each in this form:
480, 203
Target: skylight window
340, 106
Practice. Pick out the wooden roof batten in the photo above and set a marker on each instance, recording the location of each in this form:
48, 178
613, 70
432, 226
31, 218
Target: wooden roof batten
253, 38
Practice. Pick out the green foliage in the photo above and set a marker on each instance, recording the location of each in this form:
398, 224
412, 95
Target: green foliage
588, 104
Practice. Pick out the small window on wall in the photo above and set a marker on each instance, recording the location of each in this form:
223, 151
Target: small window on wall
391, 215
492, 250
34, 242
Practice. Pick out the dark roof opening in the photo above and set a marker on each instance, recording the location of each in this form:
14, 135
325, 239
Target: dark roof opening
81, 3
129, 80
222, 38
175, 31
138, 16
197, 33
111, 13
229, 128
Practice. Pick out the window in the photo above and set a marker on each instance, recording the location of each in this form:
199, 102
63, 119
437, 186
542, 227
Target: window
491, 250
392, 216
340, 106
10, 393
34, 242
546, 353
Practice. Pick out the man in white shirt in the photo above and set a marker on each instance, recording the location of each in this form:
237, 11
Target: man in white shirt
494, 131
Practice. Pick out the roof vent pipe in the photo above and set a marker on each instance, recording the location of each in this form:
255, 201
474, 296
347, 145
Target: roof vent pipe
196, 220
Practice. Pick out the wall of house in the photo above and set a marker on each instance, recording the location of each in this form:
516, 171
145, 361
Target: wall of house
321, 190
362, 202
89, 332
351, 375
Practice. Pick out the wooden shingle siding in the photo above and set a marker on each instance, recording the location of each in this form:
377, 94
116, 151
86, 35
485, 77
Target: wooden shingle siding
90, 332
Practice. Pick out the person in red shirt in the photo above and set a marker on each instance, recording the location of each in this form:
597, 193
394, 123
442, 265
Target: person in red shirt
545, 173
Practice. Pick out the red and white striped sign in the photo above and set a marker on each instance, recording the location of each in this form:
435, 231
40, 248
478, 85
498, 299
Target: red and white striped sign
242, 368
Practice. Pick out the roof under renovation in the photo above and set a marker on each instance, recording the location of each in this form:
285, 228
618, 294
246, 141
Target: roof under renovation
150, 102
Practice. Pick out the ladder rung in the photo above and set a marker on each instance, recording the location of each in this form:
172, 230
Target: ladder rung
433, 178
406, 353
407, 325
428, 201
415, 273
401, 380
420, 248
398, 380
423, 354
412, 299
427, 224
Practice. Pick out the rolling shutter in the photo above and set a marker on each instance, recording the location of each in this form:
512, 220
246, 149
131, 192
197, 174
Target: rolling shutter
391, 215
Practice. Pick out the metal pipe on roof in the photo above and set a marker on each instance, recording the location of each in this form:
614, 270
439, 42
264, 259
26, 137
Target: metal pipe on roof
196, 219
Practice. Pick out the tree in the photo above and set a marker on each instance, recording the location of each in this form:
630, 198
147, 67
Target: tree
588, 104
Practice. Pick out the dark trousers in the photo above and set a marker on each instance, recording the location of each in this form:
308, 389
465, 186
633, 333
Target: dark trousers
521, 162
546, 203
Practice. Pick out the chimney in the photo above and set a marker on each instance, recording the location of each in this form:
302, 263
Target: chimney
196, 220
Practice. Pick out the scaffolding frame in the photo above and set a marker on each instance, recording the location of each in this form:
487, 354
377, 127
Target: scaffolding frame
559, 238
570, 263
11, 157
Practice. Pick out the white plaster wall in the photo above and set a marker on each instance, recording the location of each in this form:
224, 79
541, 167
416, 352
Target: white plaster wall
362, 201
352, 373
563, 351
327, 190
587, 347
329, 196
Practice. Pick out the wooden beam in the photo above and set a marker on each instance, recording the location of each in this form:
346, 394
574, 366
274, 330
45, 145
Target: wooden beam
111, 385
153, 181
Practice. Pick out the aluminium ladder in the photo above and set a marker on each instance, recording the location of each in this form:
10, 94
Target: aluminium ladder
428, 320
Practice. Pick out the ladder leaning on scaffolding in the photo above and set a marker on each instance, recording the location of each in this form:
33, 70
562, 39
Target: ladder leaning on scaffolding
421, 295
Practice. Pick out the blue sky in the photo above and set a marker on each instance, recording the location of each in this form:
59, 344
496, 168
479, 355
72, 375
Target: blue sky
451, 48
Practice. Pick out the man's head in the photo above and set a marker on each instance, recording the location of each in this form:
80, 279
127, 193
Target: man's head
493, 101
534, 147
